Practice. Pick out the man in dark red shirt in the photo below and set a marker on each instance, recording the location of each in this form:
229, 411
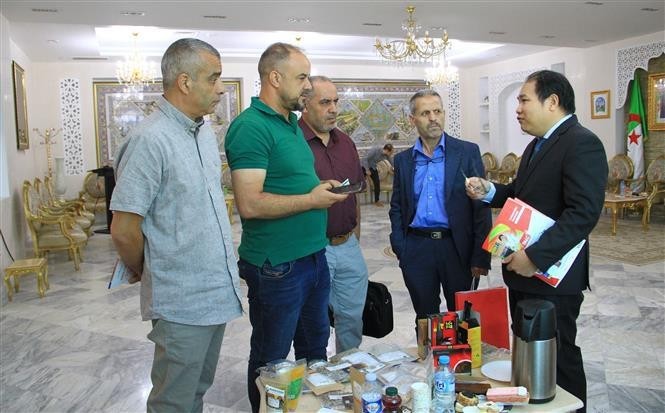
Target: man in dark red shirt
336, 157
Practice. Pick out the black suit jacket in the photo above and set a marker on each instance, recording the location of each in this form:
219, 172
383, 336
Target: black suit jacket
566, 181
469, 220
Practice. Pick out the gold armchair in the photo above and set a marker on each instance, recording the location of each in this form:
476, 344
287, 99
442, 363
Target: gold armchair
93, 193
227, 186
385, 170
507, 170
51, 232
49, 208
489, 163
620, 170
655, 183
76, 204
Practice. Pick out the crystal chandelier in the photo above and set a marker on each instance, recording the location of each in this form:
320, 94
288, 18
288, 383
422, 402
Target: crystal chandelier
412, 49
441, 73
135, 72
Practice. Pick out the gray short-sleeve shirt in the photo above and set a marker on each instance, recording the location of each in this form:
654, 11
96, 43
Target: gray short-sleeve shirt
169, 172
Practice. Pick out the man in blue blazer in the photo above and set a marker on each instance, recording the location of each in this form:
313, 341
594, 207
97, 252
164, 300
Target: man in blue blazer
563, 175
437, 231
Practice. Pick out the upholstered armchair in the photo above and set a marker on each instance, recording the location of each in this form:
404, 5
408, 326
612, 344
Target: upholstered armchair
51, 209
227, 185
385, 170
93, 193
655, 183
51, 232
506, 171
620, 170
489, 163
77, 204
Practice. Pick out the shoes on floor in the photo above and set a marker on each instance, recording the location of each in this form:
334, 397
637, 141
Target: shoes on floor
378, 204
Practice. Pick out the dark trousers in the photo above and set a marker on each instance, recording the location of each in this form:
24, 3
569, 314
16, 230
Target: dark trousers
374, 175
428, 265
569, 366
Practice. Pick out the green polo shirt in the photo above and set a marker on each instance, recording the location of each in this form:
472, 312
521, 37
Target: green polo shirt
260, 138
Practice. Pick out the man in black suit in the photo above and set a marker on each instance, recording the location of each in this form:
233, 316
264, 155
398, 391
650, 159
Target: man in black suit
563, 175
437, 231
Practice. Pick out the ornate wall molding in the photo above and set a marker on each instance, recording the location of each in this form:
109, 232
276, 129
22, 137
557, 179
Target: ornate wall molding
629, 59
496, 85
70, 114
454, 113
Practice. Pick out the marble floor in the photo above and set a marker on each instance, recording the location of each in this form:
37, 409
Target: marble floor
83, 348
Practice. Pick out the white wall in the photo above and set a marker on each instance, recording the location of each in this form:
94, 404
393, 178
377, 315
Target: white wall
588, 70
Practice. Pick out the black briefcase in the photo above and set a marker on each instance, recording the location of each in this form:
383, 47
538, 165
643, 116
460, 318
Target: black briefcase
378, 311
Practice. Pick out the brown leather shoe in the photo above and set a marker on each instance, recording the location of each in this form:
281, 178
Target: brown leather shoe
378, 204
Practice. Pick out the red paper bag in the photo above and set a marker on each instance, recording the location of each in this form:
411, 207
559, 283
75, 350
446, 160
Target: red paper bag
492, 304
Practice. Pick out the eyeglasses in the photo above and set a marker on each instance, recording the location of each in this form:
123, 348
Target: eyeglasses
423, 162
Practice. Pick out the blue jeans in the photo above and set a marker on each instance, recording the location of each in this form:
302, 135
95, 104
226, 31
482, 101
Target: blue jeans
348, 289
288, 303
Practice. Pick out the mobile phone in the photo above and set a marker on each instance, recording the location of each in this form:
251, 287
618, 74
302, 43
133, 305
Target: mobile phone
347, 189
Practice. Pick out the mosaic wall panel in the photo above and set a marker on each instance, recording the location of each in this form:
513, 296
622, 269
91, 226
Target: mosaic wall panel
117, 112
375, 112
70, 114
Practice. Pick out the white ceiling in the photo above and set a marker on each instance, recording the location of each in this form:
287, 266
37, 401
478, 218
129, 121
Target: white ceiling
333, 30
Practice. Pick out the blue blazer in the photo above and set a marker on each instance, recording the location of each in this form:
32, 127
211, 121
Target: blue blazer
469, 220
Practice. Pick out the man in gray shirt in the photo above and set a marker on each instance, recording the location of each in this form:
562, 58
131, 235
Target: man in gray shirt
374, 156
172, 230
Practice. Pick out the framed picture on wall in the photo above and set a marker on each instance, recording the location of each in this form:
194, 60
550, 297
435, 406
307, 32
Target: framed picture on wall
600, 104
21, 106
117, 112
656, 101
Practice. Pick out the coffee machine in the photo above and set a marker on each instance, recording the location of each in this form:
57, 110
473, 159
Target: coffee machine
534, 349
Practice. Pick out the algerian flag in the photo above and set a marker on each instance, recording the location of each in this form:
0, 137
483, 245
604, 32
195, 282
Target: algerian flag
636, 133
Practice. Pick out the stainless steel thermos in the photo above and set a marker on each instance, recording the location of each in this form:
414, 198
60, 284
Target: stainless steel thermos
534, 349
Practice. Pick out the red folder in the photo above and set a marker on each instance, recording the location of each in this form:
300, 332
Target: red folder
492, 304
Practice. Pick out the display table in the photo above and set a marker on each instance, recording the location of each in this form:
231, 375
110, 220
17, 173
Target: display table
618, 203
563, 401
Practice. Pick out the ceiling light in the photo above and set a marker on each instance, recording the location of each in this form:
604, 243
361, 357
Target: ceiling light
442, 73
298, 20
648, 9
214, 16
497, 33
593, 3
90, 58
45, 10
412, 48
135, 72
547, 36
133, 13
52, 41
373, 24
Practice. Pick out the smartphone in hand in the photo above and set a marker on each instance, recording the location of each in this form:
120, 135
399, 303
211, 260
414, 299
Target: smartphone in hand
347, 189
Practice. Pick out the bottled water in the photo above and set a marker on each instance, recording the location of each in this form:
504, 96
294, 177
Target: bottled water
444, 387
371, 395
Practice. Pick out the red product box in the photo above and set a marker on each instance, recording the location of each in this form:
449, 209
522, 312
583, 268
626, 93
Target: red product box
460, 357
442, 329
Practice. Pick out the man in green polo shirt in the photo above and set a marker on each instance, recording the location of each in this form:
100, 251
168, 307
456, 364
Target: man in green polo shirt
283, 206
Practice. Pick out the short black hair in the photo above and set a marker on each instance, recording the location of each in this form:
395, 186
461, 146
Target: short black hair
548, 83
388, 147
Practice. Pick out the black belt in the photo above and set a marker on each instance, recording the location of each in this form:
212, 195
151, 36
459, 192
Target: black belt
433, 234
